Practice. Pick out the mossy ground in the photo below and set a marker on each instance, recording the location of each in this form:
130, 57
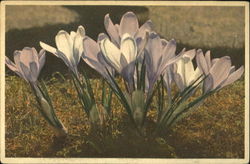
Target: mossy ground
215, 129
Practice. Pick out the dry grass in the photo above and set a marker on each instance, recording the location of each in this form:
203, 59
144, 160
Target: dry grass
216, 129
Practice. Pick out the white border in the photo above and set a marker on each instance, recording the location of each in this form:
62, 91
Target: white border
123, 160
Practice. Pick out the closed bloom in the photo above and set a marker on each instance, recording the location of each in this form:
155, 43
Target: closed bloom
123, 58
69, 47
158, 55
220, 72
27, 63
186, 74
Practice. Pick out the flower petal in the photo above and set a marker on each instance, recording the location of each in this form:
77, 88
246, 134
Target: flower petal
154, 49
48, 48
65, 44
78, 45
208, 59
146, 27
111, 29
28, 55
128, 48
111, 53
233, 76
220, 70
201, 62
12, 66
101, 36
129, 24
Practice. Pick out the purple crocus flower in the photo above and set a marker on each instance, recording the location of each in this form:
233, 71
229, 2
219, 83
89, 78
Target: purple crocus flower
158, 55
220, 72
94, 57
28, 63
69, 47
128, 25
126, 44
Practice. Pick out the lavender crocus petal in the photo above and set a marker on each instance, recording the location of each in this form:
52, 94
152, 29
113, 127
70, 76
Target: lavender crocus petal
164, 42
220, 70
12, 66
111, 53
17, 61
111, 29
232, 69
178, 80
172, 60
34, 70
233, 76
154, 48
49, 48
129, 24
128, 48
169, 51
214, 61
208, 59
28, 55
26, 72
91, 48
189, 54
201, 62
168, 78
127, 73
64, 44
147, 26
90, 54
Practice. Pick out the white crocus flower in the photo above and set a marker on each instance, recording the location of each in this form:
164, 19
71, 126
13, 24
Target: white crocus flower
116, 56
185, 73
69, 47
122, 59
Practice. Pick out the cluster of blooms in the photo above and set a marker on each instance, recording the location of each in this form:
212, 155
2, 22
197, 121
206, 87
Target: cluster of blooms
146, 62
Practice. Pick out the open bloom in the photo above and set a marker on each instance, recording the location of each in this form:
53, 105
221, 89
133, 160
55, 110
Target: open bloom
158, 55
185, 73
28, 63
94, 57
220, 72
69, 47
128, 25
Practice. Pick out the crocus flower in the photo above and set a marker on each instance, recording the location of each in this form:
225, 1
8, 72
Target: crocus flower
185, 73
158, 55
69, 47
123, 58
28, 63
94, 57
128, 25
219, 70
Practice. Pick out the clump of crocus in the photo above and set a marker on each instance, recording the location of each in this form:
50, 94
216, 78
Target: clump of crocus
28, 64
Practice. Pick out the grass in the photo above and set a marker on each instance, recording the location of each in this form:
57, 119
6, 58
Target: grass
215, 129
